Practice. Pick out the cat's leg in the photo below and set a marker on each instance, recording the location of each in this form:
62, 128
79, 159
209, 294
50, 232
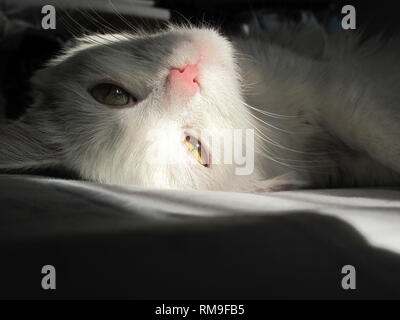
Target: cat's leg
288, 181
380, 136
370, 126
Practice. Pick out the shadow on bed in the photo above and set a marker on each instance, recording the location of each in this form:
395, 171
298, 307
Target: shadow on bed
102, 254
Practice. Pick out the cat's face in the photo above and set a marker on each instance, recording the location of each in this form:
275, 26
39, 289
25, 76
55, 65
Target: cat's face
130, 109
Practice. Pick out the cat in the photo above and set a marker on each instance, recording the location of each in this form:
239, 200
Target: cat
322, 111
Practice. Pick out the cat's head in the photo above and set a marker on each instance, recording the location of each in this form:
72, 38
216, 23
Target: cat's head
137, 109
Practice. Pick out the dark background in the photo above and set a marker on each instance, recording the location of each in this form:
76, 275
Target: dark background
22, 51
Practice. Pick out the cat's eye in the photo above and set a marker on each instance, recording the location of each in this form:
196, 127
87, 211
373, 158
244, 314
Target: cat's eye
111, 95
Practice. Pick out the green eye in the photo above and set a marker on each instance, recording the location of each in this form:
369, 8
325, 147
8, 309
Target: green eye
110, 94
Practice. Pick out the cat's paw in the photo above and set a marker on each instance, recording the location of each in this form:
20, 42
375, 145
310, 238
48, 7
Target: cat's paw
289, 181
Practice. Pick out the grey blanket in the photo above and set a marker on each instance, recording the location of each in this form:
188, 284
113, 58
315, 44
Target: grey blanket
130, 242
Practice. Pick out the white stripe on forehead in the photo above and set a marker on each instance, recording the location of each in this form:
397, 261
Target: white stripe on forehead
91, 41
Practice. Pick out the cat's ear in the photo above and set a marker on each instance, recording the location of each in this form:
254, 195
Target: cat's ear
25, 146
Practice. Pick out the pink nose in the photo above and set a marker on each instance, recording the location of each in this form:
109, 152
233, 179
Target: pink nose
184, 81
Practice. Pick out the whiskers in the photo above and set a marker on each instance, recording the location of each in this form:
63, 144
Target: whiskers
270, 114
269, 139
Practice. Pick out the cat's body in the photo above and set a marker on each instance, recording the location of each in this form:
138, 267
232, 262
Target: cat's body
343, 99
329, 117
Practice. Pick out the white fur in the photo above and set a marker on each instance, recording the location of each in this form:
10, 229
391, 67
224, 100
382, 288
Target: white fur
316, 117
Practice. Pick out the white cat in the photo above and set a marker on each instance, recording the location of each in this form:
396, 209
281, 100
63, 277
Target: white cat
324, 112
